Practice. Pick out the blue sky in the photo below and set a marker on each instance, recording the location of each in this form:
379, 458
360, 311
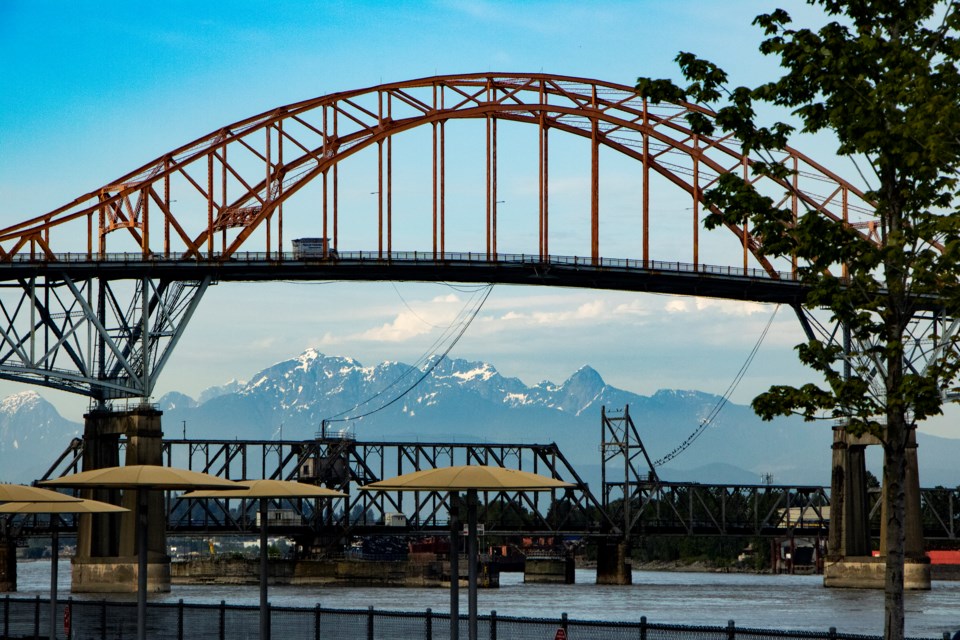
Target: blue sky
91, 90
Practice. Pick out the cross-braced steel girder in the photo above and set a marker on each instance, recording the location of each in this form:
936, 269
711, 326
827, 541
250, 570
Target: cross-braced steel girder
737, 510
344, 464
636, 498
929, 337
661, 508
623, 451
106, 339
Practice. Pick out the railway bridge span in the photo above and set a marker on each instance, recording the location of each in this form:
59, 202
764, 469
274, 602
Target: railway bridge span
655, 507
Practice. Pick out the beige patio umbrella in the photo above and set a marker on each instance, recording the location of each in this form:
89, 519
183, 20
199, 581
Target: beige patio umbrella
142, 478
469, 478
135, 476
265, 490
23, 493
75, 505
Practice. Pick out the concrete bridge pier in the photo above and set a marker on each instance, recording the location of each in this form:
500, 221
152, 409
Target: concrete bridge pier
8, 566
850, 561
613, 566
549, 570
106, 559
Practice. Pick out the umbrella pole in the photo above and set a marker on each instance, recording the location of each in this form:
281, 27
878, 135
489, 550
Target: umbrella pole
142, 563
264, 613
54, 557
472, 562
454, 569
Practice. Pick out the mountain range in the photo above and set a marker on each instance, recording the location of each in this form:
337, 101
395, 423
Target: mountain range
462, 401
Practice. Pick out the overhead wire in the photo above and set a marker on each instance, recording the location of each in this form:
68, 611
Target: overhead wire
722, 402
410, 309
430, 358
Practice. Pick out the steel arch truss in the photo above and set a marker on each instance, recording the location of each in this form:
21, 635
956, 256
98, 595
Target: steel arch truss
226, 191
101, 338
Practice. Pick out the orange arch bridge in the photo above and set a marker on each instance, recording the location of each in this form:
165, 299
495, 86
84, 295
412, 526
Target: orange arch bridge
533, 179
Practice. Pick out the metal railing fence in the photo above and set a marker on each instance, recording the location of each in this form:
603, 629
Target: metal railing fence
385, 257
105, 620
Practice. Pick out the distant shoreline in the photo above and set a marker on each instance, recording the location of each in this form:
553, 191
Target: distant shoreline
680, 566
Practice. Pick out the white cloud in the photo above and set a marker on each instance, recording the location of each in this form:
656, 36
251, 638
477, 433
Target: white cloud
592, 309
266, 342
733, 308
587, 311
328, 339
633, 308
678, 306
403, 327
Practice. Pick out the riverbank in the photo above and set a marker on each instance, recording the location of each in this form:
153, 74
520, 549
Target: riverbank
694, 566
681, 566
222, 570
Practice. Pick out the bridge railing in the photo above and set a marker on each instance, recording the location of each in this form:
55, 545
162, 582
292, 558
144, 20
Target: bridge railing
415, 257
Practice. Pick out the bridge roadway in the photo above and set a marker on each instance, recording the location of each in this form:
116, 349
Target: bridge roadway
658, 508
560, 271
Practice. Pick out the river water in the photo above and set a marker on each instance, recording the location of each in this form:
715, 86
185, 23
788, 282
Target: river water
760, 601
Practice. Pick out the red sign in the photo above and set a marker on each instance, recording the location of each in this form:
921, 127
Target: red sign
561, 634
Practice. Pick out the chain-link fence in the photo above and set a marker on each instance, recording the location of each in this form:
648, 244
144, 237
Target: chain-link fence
103, 620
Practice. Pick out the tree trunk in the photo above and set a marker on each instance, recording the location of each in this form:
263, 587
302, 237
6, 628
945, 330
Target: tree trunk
894, 472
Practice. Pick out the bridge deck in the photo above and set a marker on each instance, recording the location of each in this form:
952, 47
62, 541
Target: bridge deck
561, 271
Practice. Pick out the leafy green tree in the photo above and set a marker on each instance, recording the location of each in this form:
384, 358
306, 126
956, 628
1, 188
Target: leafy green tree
882, 77
503, 514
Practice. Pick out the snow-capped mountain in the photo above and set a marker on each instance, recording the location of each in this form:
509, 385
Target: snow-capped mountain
32, 434
392, 399
462, 401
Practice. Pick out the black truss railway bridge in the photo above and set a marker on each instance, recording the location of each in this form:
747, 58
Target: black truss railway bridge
656, 507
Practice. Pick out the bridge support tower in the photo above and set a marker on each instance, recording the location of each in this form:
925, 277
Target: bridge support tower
613, 562
850, 561
106, 558
628, 478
